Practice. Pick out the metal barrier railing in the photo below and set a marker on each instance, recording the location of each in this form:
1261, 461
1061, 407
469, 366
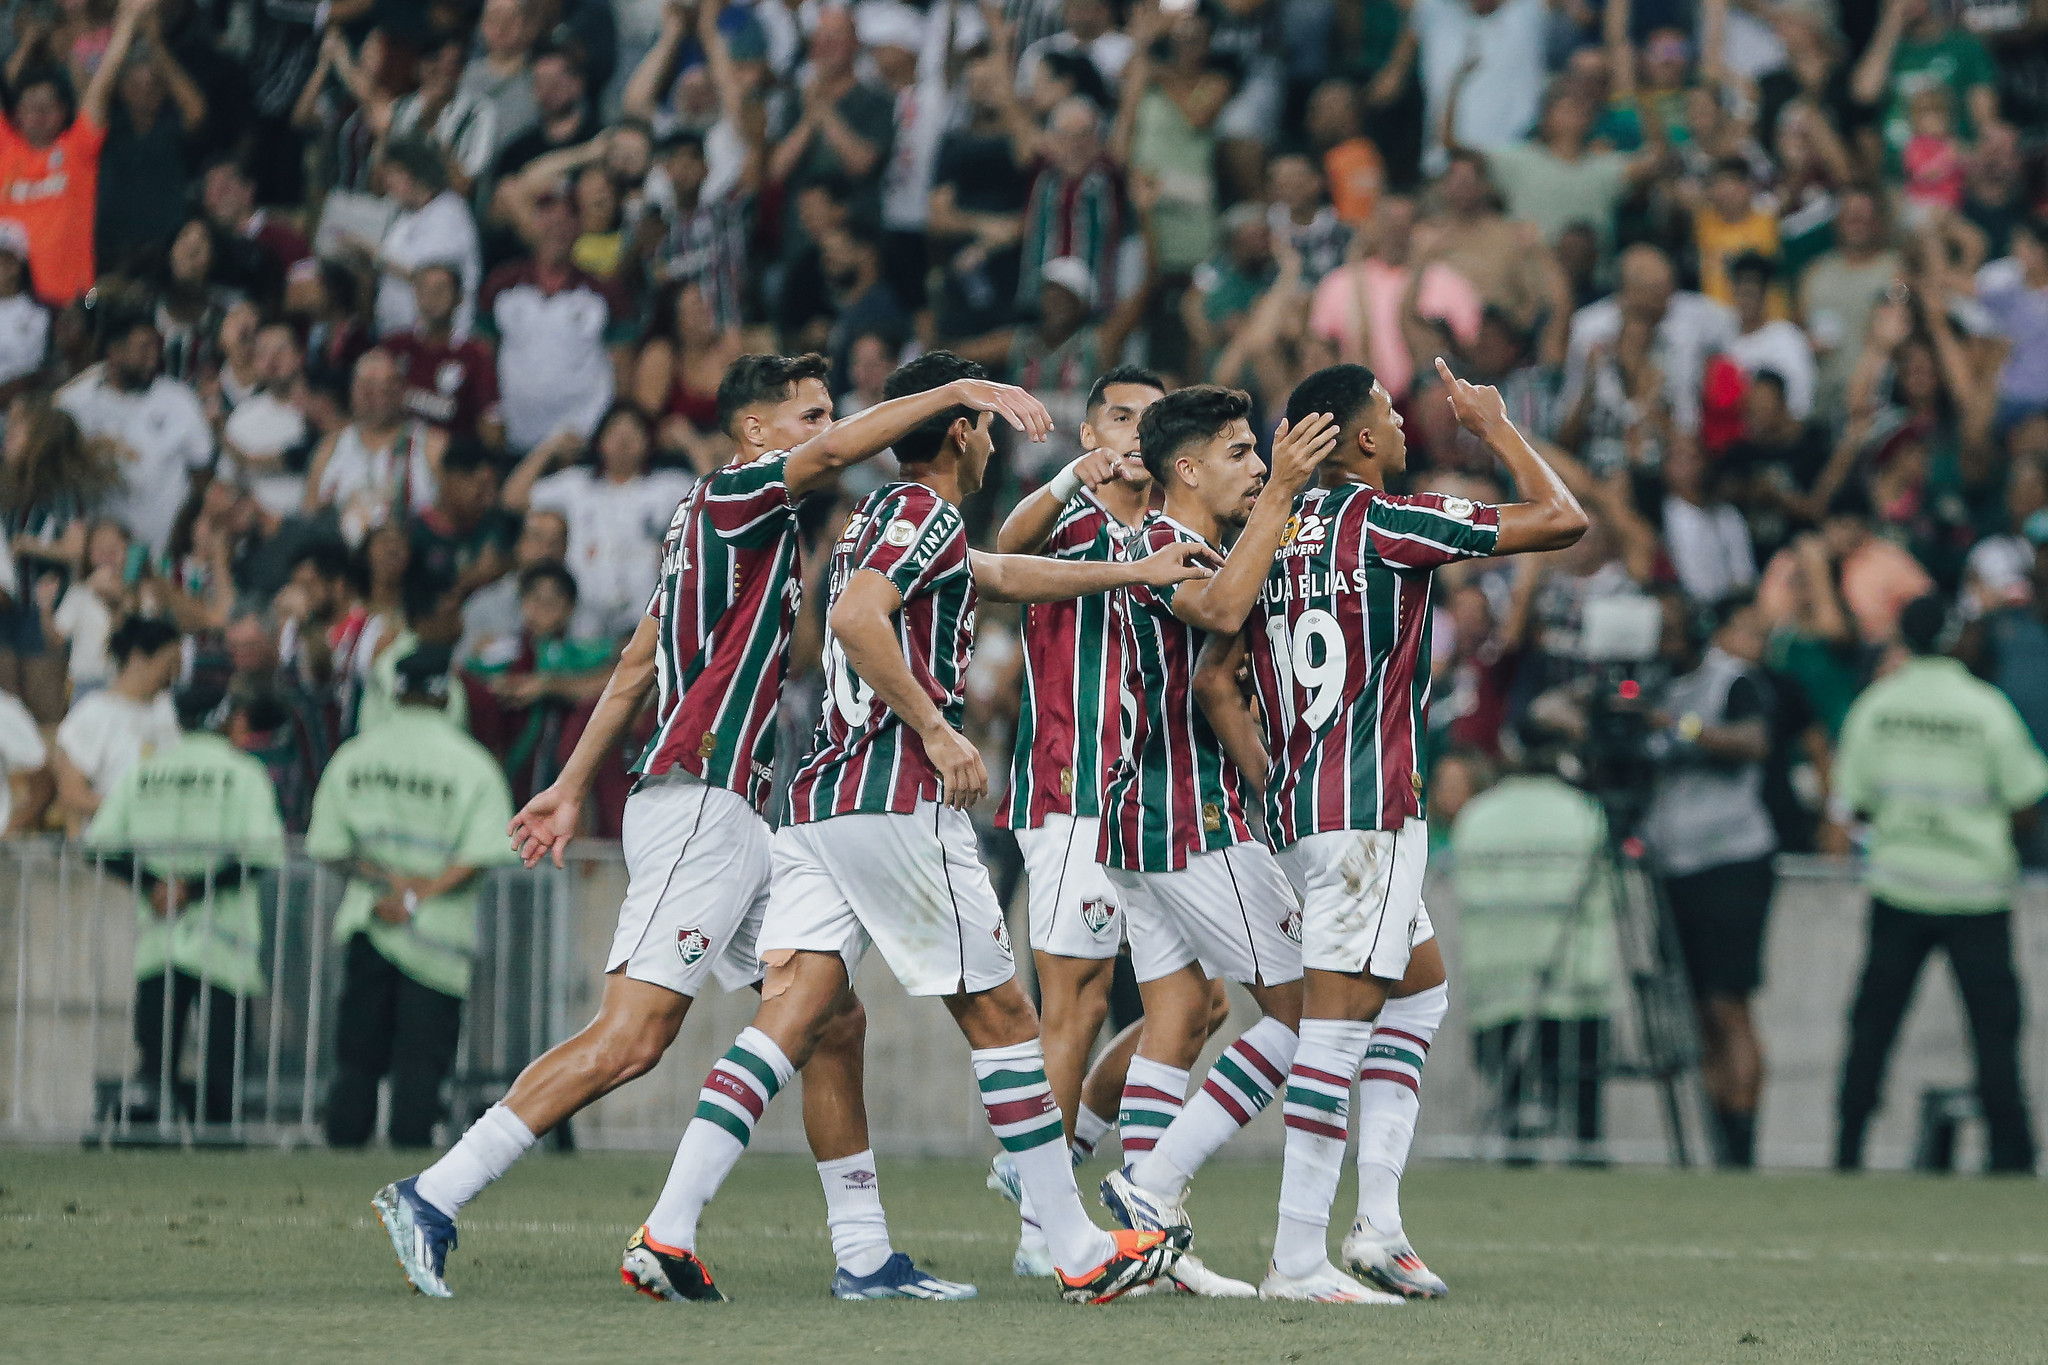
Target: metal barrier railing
80, 1025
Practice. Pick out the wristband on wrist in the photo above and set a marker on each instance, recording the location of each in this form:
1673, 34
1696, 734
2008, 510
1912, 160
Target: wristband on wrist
1065, 484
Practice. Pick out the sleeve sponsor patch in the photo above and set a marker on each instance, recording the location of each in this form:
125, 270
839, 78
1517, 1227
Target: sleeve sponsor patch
901, 532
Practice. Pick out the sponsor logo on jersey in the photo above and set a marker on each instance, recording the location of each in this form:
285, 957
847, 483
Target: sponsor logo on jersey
692, 944
1459, 509
1097, 914
1212, 815
1290, 925
1304, 535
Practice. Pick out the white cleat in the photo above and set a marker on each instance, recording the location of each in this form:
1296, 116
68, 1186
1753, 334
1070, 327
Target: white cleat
1191, 1276
1139, 1209
1033, 1260
1324, 1284
1391, 1263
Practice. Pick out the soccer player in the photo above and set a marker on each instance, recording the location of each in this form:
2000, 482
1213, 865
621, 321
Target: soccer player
1203, 897
880, 850
712, 649
1066, 735
1339, 650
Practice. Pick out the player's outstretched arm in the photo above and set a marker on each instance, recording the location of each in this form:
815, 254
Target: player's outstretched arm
1220, 605
1032, 578
818, 461
1551, 517
547, 823
860, 623
1222, 700
1030, 522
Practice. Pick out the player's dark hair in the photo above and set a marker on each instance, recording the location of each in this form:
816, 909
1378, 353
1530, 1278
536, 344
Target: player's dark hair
1183, 418
1122, 374
933, 369
141, 635
1343, 391
548, 571
764, 379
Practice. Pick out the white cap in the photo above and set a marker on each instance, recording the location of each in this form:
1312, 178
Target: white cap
887, 23
1072, 274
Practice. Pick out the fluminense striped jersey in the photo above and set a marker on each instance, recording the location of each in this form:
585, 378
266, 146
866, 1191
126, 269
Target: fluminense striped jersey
1172, 791
1339, 648
863, 758
1068, 721
728, 594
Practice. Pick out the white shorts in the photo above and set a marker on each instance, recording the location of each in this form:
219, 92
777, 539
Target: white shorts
1073, 906
1229, 909
911, 885
1361, 898
697, 863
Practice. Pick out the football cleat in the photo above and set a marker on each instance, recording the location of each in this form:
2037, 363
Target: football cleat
899, 1278
1004, 1180
1138, 1208
1324, 1284
1390, 1263
1033, 1258
421, 1234
668, 1273
1190, 1276
1139, 1258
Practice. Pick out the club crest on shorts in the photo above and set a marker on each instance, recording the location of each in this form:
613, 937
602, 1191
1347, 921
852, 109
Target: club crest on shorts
1002, 937
1097, 914
692, 944
1290, 925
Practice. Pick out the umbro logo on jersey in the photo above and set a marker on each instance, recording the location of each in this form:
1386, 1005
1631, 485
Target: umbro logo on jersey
1097, 915
692, 944
1290, 925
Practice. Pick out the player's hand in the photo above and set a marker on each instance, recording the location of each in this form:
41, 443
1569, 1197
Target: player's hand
1097, 468
1298, 451
962, 774
1177, 563
1479, 407
546, 825
1006, 401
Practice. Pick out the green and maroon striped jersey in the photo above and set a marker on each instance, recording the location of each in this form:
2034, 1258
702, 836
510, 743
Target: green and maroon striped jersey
727, 597
863, 757
1173, 791
1068, 721
1339, 649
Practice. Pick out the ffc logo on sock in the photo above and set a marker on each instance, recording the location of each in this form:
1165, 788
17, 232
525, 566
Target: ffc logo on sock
692, 944
729, 1084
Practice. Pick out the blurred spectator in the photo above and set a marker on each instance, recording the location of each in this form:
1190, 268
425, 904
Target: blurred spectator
1352, 166
1876, 579
1166, 131
433, 227
109, 731
24, 321
146, 163
428, 615
1374, 313
1481, 67
50, 479
562, 115
1504, 261
980, 188
284, 728
499, 79
462, 124
1685, 330
155, 425
1089, 30
190, 306
1775, 464
83, 618
1076, 207
676, 374
324, 303
382, 466
541, 679
268, 438
491, 617
703, 233
617, 510
450, 381
22, 755
464, 539
1842, 287
845, 128
2015, 291
1764, 344
1705, 534
228, 192
1914, 49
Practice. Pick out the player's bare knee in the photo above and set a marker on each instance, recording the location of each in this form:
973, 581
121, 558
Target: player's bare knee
1002, 1017
845, 1029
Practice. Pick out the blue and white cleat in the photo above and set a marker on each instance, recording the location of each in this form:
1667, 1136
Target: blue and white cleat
421, 1234
1004, 1180
1139, 1209
899, 1278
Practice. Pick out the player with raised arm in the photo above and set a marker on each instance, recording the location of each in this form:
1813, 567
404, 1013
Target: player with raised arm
1201, 895
712, 650
1339, 649
879, 849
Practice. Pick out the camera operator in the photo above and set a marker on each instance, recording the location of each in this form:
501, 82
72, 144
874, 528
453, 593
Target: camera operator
1711, 838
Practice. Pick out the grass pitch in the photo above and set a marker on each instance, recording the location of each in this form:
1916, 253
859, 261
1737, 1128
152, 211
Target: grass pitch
162, 1257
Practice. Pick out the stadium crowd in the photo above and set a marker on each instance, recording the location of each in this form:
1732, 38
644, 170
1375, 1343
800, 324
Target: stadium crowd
331, 330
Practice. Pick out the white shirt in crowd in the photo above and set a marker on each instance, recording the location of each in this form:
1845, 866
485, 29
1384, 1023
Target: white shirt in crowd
1110, 53
266, 426
466, 128
24, 336
1693, 329
1781, 347
442, 232
21, 749
615, 533
105, 734
1499, 100
163, 436
87, 622
1709, 548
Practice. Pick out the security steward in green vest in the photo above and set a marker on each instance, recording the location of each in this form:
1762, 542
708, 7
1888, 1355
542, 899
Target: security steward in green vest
412, 809
199, 922
1522, 855
1940, 764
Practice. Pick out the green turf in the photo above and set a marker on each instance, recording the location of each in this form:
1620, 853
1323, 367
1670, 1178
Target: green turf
158, 1257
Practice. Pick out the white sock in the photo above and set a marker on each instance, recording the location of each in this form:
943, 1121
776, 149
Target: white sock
1089, 1127
1240, 1084
1317, 1104
1390, 1098
1025, 1120
853, 1211
1153, 1095
751, 1073
485, 1152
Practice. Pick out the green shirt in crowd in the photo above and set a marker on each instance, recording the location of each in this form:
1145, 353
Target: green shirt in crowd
1522, 853
380, 690
1939, 761
205, 792
1956, 59
417, 796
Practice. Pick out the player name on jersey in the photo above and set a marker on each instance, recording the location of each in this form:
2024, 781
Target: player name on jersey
727, 597
863, 758
1339, 650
